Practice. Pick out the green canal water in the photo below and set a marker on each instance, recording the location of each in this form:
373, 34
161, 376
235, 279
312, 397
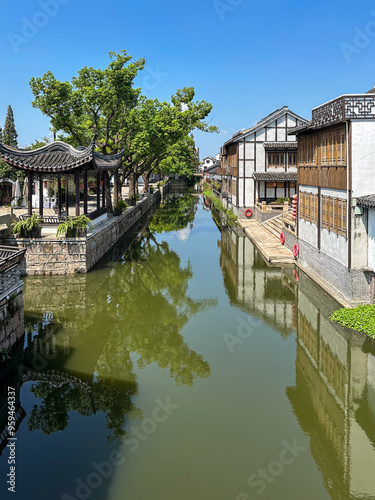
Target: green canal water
185, 368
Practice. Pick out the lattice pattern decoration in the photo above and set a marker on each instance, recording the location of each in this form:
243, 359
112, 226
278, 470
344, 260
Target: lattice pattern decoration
334, 215
329, 113
308, 210
360, 107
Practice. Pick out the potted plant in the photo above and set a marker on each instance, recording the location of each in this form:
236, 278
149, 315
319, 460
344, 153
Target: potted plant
151, 189
120, 207
133, 199
73, 227
28, 228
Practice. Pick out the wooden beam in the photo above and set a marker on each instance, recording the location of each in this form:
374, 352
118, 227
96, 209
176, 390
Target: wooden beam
67, 195
76, 181
85, 192
59, 195
40, 195
30, 194
98, 190
103, 192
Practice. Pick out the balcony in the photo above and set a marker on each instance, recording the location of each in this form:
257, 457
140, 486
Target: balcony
344, 108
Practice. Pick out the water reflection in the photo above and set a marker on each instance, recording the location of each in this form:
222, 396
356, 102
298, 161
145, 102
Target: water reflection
254, 286
334, 396
85, 332
334, 393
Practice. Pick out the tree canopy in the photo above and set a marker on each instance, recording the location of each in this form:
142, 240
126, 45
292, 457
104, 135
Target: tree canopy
107, 103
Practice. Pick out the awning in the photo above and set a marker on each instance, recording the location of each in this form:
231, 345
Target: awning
366, 201
275, 176
280, 145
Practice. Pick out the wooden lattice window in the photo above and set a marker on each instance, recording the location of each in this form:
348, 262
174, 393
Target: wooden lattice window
308, 207
332, 148
341, 148
324, 149
334, 215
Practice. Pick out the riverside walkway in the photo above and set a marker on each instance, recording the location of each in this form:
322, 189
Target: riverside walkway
269, 246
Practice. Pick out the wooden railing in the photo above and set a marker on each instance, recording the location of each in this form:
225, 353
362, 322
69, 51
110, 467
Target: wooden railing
263, 207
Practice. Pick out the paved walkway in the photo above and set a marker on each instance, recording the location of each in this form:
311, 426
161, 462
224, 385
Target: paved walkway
269, 246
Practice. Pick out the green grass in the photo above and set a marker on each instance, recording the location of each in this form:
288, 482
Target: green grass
360, 319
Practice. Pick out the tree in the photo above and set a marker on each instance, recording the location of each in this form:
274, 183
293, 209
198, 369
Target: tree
105, 102
10, 133
94, 102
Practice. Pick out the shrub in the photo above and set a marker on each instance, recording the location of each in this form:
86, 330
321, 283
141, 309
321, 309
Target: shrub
72, 226
28, 226
120, 206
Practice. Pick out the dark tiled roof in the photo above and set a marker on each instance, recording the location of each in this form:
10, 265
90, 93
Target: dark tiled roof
275, 176
58, 157
263, 121
280, 145
366, 201
214, 169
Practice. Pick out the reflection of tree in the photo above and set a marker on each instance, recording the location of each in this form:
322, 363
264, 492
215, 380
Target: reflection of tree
155, 306
174, 215
141, 306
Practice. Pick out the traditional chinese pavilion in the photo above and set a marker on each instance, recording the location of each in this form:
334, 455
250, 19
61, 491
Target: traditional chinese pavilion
63, 161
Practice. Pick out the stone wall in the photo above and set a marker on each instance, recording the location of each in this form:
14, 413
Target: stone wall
100, 242
52, 256
12, 323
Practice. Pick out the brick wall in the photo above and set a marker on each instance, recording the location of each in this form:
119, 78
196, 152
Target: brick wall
354, 286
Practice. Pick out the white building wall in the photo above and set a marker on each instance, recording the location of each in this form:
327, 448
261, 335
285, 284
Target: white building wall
363, 157
371, 239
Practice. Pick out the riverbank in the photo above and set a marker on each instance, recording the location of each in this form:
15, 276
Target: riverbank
50, 255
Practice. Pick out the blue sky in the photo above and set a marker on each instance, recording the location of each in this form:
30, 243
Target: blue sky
247, 58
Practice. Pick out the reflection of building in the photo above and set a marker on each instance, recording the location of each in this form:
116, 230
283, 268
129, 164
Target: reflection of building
334, 397
254, 286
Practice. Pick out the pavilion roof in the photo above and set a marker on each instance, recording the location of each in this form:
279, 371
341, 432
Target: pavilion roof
59, 157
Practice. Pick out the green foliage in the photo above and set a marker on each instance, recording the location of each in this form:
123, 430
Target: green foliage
219, 206
121, 206
155, 135
9, 132
280, 201
135, 197
71, 225
27, 226
361, 319
5, 354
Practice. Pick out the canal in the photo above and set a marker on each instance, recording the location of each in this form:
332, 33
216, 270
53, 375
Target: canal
183, 367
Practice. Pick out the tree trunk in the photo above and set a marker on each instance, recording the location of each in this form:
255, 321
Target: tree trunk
133, 183
146, 180
117, 188
108, 199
